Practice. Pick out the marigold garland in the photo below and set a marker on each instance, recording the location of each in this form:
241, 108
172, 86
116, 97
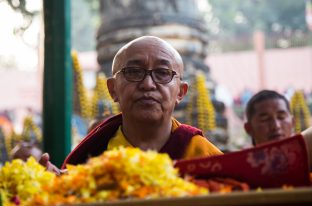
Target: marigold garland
101, 94
206, 112
11, 140
84, 107
8, 142
300, 111
28, 127
205, 109
88, 108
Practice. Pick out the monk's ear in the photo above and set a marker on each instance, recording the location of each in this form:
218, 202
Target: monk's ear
248, 128
111, 88
249, 131
182, 92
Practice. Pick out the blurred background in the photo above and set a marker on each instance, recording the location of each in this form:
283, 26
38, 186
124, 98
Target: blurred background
231, 50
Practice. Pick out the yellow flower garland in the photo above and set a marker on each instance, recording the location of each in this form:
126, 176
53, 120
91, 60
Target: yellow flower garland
28, 127
300, 111
205, 109
11, 140
85, 108
206, 112
101, 93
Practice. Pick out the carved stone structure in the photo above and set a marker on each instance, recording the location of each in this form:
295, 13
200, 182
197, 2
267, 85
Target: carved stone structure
177, 21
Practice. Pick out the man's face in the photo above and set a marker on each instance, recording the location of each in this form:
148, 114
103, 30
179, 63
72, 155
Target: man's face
271, 121
147, 100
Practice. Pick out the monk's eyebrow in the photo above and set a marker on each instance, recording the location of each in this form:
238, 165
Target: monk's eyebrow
165, 62
134, 62
282, 112
262, 114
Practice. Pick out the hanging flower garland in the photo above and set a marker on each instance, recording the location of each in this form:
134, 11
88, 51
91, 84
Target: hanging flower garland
201, 105
31, 132
11, 140
29, 129
101, 94
205, 109
95, 98
300, 111
84, 108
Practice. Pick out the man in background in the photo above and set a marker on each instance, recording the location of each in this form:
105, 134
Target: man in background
268, 117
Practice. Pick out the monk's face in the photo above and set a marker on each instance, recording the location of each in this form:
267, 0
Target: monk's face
147, 100
271, 121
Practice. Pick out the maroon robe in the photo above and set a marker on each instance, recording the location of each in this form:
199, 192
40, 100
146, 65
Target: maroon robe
95, 143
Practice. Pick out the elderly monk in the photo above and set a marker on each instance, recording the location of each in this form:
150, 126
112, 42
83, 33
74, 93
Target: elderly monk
147, 83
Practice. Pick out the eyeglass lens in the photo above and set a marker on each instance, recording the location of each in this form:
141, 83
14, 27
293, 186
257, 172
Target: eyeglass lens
158, 75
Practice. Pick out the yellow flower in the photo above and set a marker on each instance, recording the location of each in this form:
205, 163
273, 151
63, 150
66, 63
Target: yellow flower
204, 109
118, 174
23, 179
300, 111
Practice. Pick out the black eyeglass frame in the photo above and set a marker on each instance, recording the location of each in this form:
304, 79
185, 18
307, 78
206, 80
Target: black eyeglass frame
147, 72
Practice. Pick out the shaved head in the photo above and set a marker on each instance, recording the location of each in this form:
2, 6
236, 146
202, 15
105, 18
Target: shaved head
147, 84
147, 41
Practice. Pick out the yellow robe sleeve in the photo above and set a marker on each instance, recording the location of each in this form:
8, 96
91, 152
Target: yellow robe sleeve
200, 147
118, 140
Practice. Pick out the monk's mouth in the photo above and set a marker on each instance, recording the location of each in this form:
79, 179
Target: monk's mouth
276, 136
148, 101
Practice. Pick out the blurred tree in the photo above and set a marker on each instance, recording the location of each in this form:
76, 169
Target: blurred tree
242, 17
28, 15
85, 21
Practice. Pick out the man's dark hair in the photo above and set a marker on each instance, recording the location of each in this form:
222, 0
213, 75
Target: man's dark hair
262, 96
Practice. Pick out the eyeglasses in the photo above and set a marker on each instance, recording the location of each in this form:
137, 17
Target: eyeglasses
137, 74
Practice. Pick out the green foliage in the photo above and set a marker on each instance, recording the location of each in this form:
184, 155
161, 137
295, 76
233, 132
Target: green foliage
85, 20
242, 17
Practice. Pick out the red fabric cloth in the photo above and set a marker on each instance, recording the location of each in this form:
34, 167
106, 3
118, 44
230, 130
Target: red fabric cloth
96, 141
223, 185
274, 164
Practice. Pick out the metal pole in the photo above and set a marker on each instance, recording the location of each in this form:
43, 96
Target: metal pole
57, 85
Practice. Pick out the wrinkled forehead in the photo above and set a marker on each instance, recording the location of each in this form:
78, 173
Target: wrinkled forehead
143, 49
